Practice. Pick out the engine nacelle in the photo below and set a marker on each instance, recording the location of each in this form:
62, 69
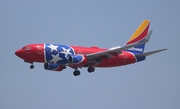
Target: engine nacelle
54, 67
77, 59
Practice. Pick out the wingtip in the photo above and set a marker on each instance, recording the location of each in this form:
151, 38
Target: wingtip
165, 49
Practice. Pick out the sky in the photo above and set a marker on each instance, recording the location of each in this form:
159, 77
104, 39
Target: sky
151, 84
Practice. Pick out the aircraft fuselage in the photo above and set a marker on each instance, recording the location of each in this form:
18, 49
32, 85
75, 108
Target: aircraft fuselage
55, 53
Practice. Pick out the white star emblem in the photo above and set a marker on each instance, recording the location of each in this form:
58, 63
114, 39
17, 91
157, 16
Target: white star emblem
66, 52
53, 47
55, 58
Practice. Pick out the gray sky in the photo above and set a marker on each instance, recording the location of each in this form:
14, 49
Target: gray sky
151, 84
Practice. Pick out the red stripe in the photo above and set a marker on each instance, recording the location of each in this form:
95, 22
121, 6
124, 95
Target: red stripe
141, 36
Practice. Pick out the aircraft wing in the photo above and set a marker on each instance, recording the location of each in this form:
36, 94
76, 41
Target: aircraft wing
151, 52
116, 50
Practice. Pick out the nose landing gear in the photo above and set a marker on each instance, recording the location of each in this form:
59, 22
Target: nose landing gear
32, 66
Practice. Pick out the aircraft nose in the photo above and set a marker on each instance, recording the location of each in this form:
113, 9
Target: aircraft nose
19, 53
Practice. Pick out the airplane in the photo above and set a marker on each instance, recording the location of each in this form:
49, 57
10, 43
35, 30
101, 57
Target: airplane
57, 57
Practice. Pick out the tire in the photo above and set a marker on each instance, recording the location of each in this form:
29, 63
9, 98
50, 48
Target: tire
32, 66
90, 69
76, 73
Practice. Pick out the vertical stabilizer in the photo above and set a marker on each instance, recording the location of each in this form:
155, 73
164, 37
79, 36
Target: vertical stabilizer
139, 35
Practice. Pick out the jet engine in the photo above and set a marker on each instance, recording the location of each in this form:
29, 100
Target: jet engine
54, 67
77, 59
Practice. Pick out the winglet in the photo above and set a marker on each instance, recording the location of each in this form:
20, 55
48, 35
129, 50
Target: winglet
140, 33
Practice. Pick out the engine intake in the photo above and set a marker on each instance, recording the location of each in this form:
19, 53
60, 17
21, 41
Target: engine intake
54, 67
77, 59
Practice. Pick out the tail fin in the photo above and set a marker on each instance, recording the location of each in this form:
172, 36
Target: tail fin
139, 35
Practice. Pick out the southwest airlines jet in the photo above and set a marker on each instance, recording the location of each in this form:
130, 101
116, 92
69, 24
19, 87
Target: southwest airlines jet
57, 57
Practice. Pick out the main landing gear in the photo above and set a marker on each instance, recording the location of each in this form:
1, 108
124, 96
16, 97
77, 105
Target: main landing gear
77, 72
91, 69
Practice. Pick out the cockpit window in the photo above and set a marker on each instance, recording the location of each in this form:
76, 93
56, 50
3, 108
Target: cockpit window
26, 48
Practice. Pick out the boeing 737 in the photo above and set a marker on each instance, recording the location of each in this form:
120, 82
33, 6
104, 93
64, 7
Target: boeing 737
57, 57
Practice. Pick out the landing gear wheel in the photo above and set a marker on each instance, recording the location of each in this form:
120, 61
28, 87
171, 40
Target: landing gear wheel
90, 69
32, 66
76, 73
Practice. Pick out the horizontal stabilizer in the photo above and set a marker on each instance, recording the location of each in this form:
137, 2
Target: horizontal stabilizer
150, 53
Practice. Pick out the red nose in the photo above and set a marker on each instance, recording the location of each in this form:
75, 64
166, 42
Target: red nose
19, 53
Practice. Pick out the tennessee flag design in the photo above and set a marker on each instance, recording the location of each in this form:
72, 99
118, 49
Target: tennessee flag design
140, 33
